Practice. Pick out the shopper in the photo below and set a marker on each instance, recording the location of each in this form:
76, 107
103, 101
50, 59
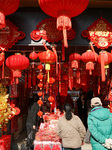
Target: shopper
71, 130
32, 122
100, 126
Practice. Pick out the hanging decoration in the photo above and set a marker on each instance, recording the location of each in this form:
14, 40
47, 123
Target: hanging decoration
33, 55
63, 10
47, 30
7, 7
48, 57
104, 59
74, 59
40, 85
17, 63
89, 58
99, 33
10, 35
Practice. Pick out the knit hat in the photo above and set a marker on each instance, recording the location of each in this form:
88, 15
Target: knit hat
95, 101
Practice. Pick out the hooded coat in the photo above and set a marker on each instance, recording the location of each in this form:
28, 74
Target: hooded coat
100, 127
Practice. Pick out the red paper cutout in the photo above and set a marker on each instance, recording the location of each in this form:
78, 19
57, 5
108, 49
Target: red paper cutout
47, 30
10, 35
100, 33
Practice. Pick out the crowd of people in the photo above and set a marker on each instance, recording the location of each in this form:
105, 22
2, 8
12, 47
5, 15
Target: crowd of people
93, 124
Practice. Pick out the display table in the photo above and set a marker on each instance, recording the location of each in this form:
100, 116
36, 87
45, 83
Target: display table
46, 138
46, 145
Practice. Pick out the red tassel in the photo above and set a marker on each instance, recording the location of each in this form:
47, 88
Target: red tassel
59, 77
90, 66
29, 80
17, 81
74, 64
25, 80
2, 20
63, 52
3, 70
102, 67
54, 50
34, 79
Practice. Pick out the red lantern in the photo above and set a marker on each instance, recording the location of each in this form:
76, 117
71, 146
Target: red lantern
51, 98
39, 93
40, 102
51, 80
74, 59
104, 59
40, 67
33, 55
40, 85
7, 7
40, 113
89, 57
17, 63
63, 10
47, 57
40, 76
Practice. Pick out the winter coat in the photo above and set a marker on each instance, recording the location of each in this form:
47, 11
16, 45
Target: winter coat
100, 127
72, 132
32, 117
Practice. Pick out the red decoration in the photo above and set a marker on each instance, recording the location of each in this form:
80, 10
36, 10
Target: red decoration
40, 113
38, 147
17, 110
89, 57
104, 59
39, 93
51, 99
5, 142
40, 85
56, 147
47, 31
17, 63
7, 7
63, 10
10, 35
100, 33
40, 102
40, 67
33, 55
47, 57
74, 59
40, 76
51, 80
2, 58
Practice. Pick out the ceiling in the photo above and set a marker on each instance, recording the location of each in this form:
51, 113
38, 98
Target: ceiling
92, 3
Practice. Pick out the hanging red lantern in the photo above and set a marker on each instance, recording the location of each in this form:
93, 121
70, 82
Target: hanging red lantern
47, 57
17, 63
89, 58
104, 59
39, 93
51, 98
40, 113
40, 102
40, 85
40, 76
40, 67
51, 80
7, 7
63, 10
33, 55
74, 59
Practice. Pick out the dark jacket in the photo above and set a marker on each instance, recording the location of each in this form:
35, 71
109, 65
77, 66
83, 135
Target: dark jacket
100, 127
32, 117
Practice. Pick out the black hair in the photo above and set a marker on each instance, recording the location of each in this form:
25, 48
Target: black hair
67, 109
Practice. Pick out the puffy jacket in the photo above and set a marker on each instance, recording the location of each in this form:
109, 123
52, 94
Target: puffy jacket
100, 127
72, 132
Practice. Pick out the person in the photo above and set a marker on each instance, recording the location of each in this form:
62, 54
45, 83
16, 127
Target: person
32, 122
90, 95
70, 129
100, 126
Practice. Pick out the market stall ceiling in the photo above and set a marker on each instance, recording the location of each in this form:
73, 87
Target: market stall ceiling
92, 3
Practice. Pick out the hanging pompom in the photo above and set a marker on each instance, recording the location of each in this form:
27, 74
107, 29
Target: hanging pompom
40, 102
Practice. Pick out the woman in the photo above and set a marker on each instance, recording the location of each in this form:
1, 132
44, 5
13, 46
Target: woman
71, 130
